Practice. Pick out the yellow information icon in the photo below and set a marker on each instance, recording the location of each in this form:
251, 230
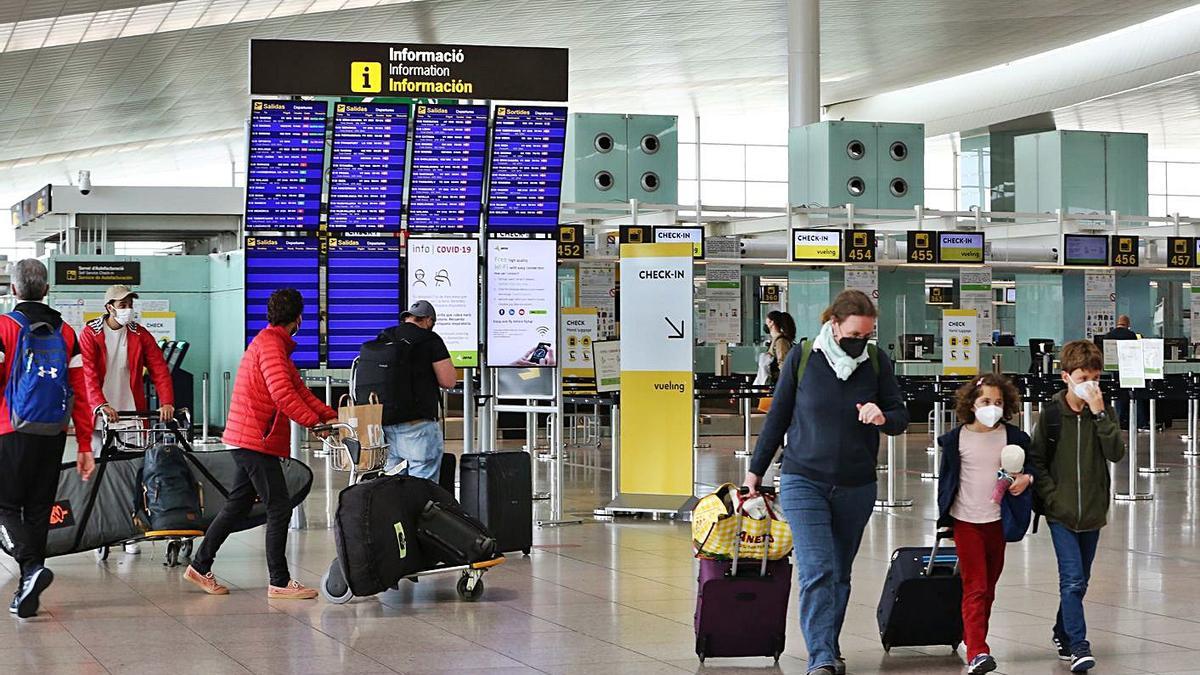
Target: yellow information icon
366, 77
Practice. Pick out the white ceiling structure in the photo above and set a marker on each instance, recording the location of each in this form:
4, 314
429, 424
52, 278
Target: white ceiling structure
144, 92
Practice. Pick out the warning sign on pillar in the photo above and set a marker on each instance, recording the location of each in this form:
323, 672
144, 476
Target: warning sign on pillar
656, 370
960, 342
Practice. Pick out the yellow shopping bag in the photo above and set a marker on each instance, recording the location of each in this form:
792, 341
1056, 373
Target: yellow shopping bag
715, 530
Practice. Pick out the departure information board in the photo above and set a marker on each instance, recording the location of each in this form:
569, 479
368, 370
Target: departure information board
446, 178
285, 164
285, 262
362, 294
525, 177
366, 168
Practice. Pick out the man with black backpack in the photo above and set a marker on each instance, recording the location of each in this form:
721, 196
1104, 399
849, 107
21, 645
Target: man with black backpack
1076, 438
407, 366
42, 377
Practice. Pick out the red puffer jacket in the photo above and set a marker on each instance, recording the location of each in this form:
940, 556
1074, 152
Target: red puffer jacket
268, 392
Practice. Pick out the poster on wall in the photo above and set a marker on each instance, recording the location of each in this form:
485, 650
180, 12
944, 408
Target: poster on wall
864, 278
598, 288
960, 342
1099, 302
578, 334
446, 273
522, 303
975, 292
1195, 306
606, 354
723, 303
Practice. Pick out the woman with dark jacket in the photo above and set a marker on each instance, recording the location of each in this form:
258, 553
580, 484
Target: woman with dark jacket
970, 469
782, 329
834, 396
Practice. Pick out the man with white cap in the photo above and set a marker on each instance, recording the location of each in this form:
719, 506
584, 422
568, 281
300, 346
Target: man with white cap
116, 352
411, 423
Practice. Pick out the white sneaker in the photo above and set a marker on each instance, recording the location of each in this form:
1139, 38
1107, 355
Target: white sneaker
133, 548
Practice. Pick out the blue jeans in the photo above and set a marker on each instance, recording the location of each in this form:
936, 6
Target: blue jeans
1075, 552
418, 442
827, 524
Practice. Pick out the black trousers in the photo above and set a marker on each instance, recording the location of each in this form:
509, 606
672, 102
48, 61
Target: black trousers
258, 475
29, 468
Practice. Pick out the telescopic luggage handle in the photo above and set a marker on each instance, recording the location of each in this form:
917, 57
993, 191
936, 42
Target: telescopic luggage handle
938, 535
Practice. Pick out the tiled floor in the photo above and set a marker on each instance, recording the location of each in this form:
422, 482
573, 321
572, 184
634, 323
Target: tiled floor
605, 598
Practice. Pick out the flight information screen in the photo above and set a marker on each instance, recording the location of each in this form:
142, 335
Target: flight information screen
286, 160
278, 262
362, 294
446, 181
366, 168
525, 179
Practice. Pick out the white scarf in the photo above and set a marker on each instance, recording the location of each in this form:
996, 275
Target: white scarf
841, 362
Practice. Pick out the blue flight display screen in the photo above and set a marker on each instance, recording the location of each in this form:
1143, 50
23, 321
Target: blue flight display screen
525, 179
285, 165
363, 293
285, 262
446, 183
366, 169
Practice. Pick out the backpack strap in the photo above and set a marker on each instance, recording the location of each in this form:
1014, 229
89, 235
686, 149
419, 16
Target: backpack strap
1052, 418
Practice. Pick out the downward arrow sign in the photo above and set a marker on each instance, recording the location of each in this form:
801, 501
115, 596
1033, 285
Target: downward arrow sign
678, 329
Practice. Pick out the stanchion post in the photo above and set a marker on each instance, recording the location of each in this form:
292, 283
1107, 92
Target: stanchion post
937, 433
745, 451
1132, 495
1027, 417
227, 377
615, 422
1154, 468
204, 409
892, 500
468, 411
298, 520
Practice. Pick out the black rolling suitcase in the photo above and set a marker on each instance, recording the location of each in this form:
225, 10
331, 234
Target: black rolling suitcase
497, 488
453, 537
921, 603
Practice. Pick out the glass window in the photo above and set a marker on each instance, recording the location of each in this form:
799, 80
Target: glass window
687, 161
722, 162
1158, 205
939, 198
721, 193
1183, 179
1157, 178
766, 194
766, 163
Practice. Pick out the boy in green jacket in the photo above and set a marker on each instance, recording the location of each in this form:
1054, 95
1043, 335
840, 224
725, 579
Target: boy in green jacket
1074, 441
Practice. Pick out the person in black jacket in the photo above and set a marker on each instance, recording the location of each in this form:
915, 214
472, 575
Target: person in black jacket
970, 468
832, 413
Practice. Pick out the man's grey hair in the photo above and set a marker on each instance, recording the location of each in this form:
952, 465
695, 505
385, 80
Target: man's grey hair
30, 279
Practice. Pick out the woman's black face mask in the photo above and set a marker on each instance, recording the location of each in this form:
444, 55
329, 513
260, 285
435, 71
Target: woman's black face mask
853, 346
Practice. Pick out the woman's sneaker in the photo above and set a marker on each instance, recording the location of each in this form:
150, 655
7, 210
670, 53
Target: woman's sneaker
293, 591
982, 663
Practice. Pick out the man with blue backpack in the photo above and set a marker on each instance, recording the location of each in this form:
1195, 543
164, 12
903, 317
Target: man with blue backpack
41, 372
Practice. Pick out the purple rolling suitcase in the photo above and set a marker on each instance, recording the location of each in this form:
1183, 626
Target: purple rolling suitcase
742, 609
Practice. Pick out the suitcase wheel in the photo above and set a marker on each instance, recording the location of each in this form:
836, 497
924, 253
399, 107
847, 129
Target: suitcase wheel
173, 549
333, 585
470, 587
102, 554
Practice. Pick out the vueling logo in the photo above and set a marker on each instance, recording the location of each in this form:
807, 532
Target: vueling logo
366, 77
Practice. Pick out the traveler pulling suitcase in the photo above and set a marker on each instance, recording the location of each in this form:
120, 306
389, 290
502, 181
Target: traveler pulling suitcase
393, 527
497, 488
921, 603
742, 606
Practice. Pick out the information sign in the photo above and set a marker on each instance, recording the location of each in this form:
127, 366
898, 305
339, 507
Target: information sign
525, 177
522, 303
446, 273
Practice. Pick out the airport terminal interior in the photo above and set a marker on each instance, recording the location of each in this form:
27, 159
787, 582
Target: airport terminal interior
663, 251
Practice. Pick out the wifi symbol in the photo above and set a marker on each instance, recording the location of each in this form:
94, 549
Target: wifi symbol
543, 330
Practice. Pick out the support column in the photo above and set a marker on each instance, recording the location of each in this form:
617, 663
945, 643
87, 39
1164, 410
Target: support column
804, 62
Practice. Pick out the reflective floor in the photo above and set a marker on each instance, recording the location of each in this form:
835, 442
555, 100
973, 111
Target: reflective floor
600, 597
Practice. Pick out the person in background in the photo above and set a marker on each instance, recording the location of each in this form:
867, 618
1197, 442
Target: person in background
116, 352
1071, 460
782, 329
969, 469
415, 435
1124, 332
267, 394
828, 488
29, 462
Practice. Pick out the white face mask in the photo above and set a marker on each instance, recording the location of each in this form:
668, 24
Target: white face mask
123, 316
989, 415
1083, 390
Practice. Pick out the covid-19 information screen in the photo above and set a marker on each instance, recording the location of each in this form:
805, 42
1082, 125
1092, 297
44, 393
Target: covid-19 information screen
525, 178
446, 182
366, 168
286, 160
278, 262
363, 294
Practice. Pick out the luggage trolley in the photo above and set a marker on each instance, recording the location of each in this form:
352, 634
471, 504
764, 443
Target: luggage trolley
137, 432
343, 445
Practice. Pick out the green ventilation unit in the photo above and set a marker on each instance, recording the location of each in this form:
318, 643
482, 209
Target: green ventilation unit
1082, 172
613, 158
869, 164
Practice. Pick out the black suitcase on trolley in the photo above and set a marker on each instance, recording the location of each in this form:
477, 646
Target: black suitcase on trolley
921, 604
497, 488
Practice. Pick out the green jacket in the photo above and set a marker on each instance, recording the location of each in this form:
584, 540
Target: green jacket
1074, 484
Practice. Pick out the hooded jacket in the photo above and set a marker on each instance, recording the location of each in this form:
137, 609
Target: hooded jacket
1072, 478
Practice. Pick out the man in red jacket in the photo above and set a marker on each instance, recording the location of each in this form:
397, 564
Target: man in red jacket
116, 351
268, 392
29, 463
